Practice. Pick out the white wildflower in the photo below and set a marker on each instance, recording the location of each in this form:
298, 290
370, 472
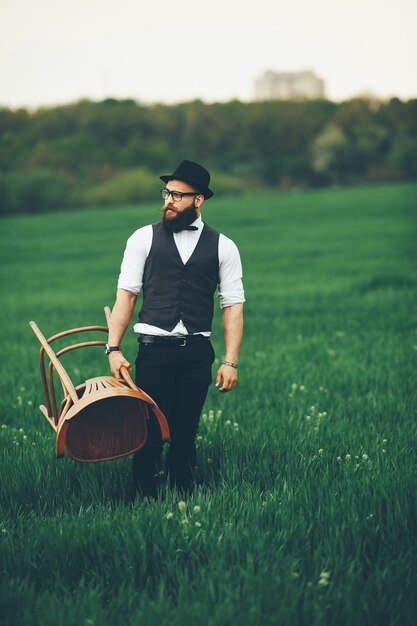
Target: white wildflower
324, 578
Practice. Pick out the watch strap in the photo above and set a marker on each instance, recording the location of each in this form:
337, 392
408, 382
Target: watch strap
109, 349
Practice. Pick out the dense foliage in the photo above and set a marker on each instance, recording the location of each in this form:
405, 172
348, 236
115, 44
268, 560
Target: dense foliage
110, 151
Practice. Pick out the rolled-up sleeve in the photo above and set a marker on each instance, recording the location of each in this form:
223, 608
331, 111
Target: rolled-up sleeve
134, 258
230, 274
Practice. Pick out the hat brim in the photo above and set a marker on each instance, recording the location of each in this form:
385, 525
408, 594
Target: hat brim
206, 192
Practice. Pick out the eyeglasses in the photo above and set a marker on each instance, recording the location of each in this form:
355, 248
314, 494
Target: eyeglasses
177, 195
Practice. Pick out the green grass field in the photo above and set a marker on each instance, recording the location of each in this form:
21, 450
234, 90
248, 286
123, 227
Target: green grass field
305, 510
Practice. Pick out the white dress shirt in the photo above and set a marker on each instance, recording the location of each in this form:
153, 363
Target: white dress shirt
230, 288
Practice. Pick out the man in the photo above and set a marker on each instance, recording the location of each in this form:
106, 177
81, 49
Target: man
178, 263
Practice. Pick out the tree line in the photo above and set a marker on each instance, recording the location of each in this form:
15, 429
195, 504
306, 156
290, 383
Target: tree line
90, 153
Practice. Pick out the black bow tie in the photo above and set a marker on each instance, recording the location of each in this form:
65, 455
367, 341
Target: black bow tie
191, 228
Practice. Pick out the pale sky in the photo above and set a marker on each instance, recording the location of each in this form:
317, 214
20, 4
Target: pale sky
56, 51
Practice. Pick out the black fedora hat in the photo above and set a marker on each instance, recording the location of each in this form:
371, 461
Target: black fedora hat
194, 174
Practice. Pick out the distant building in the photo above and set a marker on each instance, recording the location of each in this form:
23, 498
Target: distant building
288, 86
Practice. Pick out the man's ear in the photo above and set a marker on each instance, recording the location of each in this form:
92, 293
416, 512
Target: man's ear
199, 201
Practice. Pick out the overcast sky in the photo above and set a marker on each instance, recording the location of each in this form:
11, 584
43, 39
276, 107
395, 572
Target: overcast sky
55, 51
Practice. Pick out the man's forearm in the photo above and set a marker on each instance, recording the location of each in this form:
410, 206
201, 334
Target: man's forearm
233, 330
121, 315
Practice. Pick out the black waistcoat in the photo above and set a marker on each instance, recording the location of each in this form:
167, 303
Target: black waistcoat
173, 290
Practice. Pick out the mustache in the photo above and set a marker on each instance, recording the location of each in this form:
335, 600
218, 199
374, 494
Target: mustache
167, 208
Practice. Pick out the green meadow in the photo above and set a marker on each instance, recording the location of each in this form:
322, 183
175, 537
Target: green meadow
304, 511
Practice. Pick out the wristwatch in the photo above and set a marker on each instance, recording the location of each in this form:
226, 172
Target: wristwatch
108, 349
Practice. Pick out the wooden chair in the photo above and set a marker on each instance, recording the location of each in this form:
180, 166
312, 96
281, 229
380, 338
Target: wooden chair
101, 419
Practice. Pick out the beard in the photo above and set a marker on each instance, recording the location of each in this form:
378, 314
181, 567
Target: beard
181, 220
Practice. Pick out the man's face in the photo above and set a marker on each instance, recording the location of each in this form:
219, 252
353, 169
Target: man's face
179, 214
173, 209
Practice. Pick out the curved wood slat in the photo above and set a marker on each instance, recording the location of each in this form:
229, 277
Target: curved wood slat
83, 344
45, 413
45, 387
73, 331
107, 313
58, 366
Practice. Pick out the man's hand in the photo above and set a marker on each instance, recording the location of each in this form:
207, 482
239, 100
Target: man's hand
116, 361
228, 375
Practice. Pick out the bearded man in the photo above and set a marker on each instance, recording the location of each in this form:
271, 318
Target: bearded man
178, 264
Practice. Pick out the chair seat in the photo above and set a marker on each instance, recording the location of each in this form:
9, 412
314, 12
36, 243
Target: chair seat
107, 429
107, 422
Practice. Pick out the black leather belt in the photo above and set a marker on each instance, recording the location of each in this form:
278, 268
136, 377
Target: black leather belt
172, 340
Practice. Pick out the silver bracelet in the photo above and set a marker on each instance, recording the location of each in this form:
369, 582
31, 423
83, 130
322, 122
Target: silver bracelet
230, 363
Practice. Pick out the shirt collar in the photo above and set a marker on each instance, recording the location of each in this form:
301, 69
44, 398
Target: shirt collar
198, 222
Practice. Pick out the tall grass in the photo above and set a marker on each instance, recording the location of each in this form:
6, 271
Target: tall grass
304, 510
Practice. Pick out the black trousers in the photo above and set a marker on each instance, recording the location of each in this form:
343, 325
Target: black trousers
177, 378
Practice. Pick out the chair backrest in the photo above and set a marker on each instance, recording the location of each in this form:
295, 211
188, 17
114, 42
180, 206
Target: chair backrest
47, 374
